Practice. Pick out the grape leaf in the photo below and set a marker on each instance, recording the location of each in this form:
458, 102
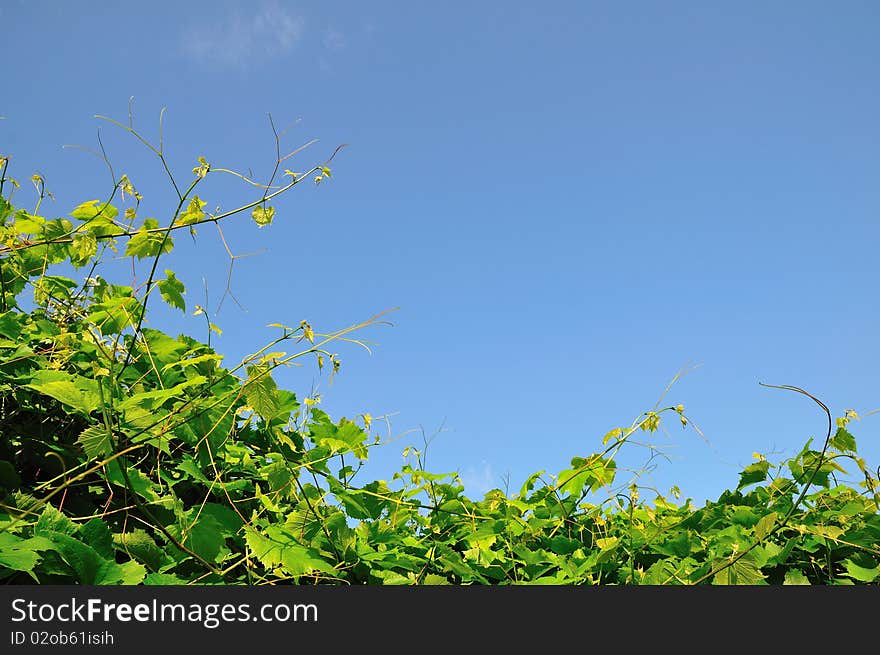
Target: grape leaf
172, 291
263, 215
96, 442
148, 243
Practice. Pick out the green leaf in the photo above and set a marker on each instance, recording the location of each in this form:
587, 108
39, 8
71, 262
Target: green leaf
139, 482
452, 561
191, 468
51, 520
287, 404
810, 465
660, 572
744, 571
261, 391
843, 440
96, 442
89, 567
162, 579
90, 210
59, 229
529, 484
277, 547
193, 212
612, 434
345, 436
279, 476
129, 573
83, 248
16, 553
764, 525
263, 215
861, 573
213, 424
194, 361
161, 350
678, 544
140, 546
5, 206
154, 399
10, 324
391, 577
753, 473
54, 286
149, 244
77, 392
795, 577
27, 224
18, 559
591, 472
205, 538
228, 521
115, 314
572, 481
172, 291
434, 579
97, 535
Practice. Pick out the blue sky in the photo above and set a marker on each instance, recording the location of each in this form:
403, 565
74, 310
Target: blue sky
568, 202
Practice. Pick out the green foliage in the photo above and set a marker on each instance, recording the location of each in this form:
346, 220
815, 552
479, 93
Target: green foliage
193, 213
263, 215
128, 456
172, 291
149, 241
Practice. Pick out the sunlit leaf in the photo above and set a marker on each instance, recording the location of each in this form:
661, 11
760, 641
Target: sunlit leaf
277, 547
765, 524
75, 391
612, 434
172, 291
83, 248
193, 212
93, 209
795, 577
843, 440
861, 573
263, 215
744, 571
148, 242
261, 391
753, 473
96, 441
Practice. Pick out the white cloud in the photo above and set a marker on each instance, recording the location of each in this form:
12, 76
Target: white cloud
478, 481
240, 38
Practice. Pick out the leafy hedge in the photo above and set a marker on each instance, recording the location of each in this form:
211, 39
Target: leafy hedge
129, 456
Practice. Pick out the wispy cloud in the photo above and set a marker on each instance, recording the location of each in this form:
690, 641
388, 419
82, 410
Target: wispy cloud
334, 40
241, 38
478, 481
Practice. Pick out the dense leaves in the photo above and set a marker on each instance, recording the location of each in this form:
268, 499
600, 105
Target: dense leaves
130, 456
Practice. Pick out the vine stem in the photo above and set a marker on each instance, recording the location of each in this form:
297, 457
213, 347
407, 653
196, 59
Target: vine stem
781, 524
106, 413
209, 218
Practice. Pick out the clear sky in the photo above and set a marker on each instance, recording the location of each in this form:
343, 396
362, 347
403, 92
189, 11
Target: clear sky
568, 201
